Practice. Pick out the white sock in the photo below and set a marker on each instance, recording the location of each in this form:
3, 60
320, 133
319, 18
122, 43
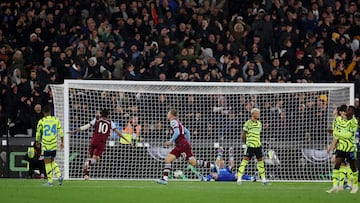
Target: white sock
92, 161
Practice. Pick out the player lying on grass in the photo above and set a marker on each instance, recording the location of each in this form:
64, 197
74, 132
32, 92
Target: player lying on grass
222, 172
181, 137
345, 142
102, 126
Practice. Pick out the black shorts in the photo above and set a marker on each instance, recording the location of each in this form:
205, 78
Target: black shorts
348, 156
253, 151
50, 154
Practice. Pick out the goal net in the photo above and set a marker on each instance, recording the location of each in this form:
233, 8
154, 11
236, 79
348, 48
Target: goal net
295, 121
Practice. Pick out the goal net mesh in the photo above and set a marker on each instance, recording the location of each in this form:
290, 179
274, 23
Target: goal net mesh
295, 121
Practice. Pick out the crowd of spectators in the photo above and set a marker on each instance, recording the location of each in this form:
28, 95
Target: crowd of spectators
46, 41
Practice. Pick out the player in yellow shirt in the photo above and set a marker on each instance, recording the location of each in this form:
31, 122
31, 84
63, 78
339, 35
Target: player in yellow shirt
48, 128
345, 142
345, 177
251, 137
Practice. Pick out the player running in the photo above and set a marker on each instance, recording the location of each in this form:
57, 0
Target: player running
251, 137
344, 140
181, 138
222, 172
102, 126
47, 130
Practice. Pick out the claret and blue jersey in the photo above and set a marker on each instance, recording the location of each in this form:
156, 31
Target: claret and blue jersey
179, 132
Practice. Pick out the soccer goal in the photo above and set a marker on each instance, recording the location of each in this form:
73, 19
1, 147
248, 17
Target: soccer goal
295, 121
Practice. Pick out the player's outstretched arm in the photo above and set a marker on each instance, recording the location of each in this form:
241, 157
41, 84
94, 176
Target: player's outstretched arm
62, 142
187, 134
243, 137
174, 136
39, 131
332, 145
82, 128
121, 135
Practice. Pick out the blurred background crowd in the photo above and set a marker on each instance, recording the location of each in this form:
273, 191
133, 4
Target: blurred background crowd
44, 42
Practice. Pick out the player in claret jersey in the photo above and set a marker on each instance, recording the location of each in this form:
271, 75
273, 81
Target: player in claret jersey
181, 138
102, 127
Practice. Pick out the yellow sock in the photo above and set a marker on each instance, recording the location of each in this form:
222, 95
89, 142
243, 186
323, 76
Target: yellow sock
49, 172
342, 175
56, 168
336, 174
355, 178
261, 169
242, 168
349, 175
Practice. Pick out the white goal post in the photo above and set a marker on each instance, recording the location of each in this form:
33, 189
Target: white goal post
295, 121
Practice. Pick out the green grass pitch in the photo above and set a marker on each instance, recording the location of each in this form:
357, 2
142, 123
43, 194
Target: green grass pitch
32, 191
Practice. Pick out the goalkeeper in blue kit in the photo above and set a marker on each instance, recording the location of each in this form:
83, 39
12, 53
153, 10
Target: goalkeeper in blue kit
223, 172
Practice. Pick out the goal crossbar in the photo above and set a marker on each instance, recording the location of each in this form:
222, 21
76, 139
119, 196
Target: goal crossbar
221, 107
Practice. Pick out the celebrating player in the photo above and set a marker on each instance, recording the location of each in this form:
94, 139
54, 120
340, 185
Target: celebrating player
222, 172
47, 129
181, 138
339, 115
251, 136
344, 140
102, 126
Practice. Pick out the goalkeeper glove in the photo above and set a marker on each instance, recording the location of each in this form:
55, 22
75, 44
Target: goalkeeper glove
244, 146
